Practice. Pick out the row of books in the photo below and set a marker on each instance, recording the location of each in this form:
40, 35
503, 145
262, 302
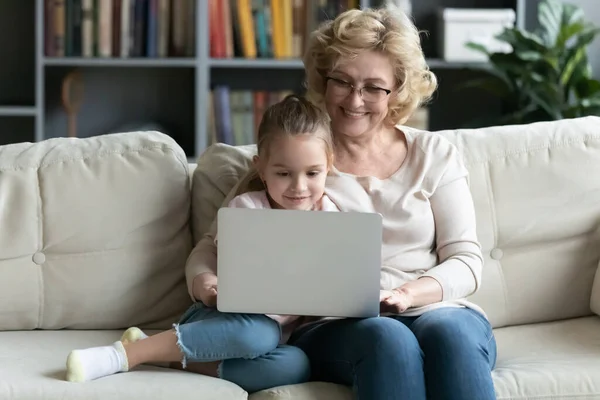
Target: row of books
267, 28
119, 28
234, 115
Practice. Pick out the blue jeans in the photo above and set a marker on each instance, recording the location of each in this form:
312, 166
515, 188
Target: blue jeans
247, 345
447, 353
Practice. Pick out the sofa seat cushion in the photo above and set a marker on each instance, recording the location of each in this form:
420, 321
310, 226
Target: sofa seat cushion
553, 360
32, 366
305, 391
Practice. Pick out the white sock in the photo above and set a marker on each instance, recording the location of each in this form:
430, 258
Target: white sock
96, 362
132, 335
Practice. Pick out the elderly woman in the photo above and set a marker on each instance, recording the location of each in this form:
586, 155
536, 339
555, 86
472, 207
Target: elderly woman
368, 70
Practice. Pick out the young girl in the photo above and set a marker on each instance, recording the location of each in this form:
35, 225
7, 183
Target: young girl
294, 156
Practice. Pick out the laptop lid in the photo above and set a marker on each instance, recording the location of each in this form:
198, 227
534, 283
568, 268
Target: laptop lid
310, 263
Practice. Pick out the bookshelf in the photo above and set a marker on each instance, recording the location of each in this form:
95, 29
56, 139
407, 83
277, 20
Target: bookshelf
172, 93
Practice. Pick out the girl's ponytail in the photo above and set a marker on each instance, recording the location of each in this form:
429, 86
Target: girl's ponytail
250, 182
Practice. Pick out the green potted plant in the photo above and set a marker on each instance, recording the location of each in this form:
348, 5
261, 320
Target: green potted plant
547, 74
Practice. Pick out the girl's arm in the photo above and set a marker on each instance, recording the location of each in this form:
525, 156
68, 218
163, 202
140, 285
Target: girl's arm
203, 258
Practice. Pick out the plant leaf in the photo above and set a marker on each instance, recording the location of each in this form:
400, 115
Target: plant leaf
572, 14
567, 32
477, 47
529, 55
575, 64
534, 76
584, 107
590, 102
550, 13
507, 62
586, 37
572, 63
587, 88
548, 98
522, 40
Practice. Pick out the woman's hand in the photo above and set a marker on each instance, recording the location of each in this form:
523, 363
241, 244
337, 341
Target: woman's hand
205, 288
395, 301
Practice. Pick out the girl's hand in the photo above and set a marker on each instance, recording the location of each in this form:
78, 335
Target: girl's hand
205, 289
394, 301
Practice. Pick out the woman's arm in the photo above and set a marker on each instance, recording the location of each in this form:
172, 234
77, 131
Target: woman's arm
422, 292
460, 260
458, 273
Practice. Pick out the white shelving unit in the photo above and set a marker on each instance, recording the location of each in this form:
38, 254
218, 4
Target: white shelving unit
123, 91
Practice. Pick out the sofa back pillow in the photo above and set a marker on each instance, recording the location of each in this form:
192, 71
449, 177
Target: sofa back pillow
537, 197
595, 298
94, 232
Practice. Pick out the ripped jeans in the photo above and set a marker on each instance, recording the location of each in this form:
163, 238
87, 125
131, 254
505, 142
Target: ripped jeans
246, 344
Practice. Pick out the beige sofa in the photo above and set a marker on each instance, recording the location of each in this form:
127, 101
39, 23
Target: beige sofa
94, 234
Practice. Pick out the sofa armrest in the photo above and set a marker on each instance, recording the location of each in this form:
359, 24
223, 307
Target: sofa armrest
595, 298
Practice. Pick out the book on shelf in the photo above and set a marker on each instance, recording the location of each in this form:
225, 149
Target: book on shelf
267, 28
234, 115
119, 28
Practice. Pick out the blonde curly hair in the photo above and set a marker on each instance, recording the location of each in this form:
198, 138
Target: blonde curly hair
388, 31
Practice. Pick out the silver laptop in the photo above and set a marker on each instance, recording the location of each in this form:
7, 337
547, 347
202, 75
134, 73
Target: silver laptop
311, 263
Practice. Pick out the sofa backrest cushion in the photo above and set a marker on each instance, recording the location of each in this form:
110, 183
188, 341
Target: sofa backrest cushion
217, 172
94, 233
595, 299
536, 191
537, 196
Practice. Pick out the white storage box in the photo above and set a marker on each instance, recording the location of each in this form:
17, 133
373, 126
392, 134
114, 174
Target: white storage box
458, 26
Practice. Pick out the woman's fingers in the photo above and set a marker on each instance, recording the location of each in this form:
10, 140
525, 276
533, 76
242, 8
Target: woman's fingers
395, 303
384, 294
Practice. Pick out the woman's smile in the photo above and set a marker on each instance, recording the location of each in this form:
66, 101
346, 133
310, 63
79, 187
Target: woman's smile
353, 114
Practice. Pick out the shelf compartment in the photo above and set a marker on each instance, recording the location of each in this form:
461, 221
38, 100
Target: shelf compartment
16, 130
125, 99
17, 70
17, 111
119, 62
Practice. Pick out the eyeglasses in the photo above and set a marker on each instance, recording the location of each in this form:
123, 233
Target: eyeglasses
369, 94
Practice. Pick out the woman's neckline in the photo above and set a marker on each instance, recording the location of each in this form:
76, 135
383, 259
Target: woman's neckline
408, 141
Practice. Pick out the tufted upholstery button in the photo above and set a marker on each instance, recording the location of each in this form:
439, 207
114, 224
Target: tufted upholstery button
496, 254
39, 258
